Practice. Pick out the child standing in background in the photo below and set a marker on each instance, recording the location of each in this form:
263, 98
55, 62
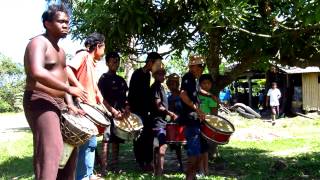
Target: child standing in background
209, 105
159, 112
208, 102
175, 105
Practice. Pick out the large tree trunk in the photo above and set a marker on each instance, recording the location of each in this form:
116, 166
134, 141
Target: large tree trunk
213, 60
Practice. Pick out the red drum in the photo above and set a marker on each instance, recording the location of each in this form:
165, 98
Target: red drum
94, 114
175, 134
217, 129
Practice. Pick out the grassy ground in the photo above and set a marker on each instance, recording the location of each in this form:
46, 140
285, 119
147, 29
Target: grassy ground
257, 150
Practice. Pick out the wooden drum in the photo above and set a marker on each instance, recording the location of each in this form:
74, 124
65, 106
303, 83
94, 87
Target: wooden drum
75, 130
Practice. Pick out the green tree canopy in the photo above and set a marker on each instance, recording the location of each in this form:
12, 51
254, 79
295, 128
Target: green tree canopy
11, 85
248, 33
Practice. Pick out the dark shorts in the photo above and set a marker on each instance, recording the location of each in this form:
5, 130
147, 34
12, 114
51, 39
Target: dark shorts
109, 135
161, 135
43, 115
159, 129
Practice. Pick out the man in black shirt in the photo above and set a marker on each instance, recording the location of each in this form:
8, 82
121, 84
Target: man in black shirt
160, 113
139, 98
114, 90
192, 115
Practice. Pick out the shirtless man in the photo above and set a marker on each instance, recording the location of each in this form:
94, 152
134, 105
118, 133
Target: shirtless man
46, 88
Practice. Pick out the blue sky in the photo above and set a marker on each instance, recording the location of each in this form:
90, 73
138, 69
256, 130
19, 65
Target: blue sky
20, 21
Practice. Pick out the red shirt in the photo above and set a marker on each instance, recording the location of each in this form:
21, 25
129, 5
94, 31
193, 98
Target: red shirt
84, 68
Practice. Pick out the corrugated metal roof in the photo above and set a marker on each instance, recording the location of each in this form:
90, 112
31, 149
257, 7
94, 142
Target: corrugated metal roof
297, 70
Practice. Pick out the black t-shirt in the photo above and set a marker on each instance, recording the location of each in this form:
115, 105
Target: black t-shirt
189, 84
139, 92
113, 89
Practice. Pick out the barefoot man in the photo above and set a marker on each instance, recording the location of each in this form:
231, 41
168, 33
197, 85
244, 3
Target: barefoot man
46, 88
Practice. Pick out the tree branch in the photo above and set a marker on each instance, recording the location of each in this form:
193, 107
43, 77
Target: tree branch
310, 27
251, 33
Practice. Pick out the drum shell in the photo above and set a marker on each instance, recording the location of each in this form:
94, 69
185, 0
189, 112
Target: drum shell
67, 151
215, 135
100, 126
72, 134
175, 134
126, 135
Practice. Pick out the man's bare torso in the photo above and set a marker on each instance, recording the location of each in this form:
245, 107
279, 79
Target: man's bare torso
52, 58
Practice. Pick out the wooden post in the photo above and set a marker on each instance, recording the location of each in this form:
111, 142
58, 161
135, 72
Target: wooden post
250, 90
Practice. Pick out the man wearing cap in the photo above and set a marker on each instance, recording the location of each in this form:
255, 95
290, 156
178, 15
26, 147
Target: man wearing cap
113, 89
192, 115
139, 98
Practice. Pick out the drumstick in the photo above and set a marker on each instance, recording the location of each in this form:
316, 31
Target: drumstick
106, 110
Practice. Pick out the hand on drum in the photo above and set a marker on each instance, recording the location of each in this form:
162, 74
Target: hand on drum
173, 116
126, 111
201, 115
78, 92
117, 114
75, 111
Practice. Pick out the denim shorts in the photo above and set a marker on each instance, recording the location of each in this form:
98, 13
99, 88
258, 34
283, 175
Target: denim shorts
161, 135
196, 145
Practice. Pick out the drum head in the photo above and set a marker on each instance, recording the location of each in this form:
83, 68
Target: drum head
219, 123
132, 123
135, 122
81, 123
94, 114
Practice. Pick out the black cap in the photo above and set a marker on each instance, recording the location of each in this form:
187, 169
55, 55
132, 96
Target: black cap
154, 56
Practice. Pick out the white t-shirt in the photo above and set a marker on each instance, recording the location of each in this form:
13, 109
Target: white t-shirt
274, 95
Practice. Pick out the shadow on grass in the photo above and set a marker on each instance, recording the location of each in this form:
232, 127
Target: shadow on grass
16, 168
257, 164
239, 163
